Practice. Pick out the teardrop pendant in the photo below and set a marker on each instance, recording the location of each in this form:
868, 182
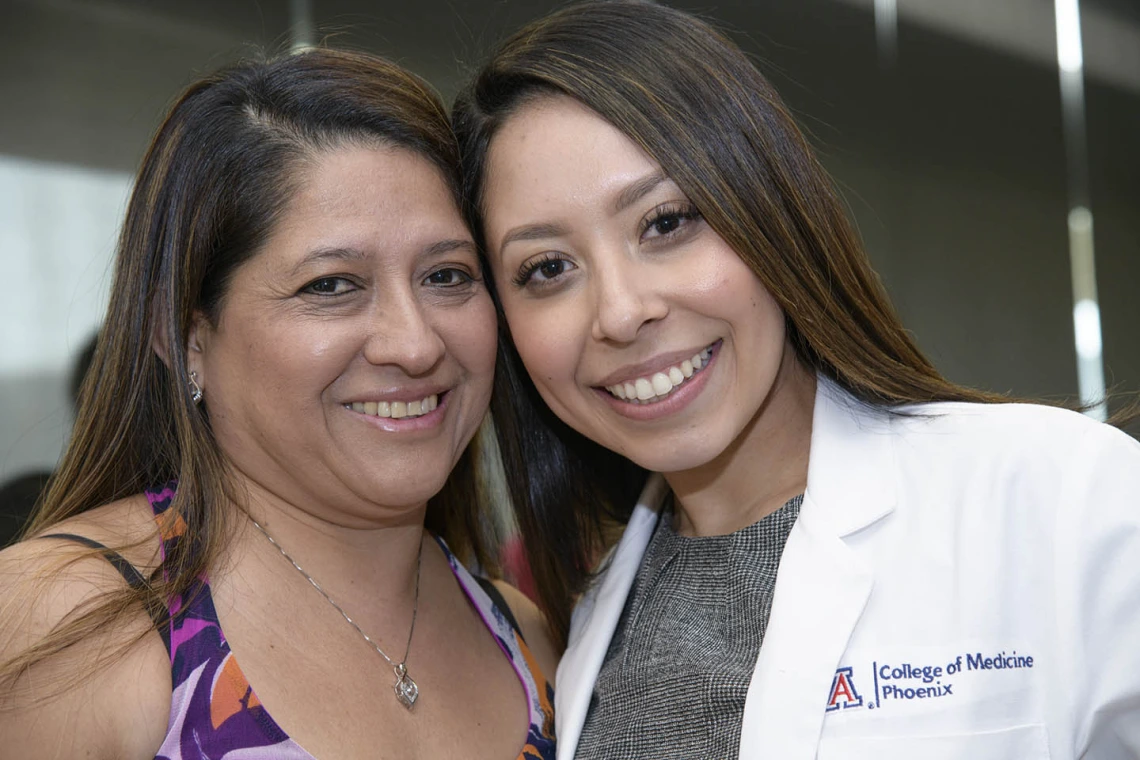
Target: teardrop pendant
406, 690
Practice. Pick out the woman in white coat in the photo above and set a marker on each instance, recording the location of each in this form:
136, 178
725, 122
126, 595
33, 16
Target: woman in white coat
844, 555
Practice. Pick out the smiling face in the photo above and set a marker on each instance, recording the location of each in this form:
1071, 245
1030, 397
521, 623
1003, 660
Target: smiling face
353, 357
641, 328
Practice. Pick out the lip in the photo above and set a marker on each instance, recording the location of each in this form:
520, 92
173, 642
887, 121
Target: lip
432, 419
403, 393
631, 372
676, 401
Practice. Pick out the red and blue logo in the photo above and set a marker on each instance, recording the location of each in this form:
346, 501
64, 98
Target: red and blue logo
843, 692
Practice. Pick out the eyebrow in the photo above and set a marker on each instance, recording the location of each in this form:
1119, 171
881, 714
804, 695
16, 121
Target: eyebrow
637, 190
355, 254
446, 246
533, 232
328, 254
629, 195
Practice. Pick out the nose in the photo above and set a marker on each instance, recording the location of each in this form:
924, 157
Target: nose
401, 334
627, 298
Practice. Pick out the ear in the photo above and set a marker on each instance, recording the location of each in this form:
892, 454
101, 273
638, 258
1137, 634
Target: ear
159, 342
195, 342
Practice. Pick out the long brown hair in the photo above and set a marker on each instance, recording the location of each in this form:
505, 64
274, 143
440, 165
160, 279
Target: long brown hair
691, 99
211, 186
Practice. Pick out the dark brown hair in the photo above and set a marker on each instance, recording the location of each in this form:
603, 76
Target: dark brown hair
691, 99
211, 187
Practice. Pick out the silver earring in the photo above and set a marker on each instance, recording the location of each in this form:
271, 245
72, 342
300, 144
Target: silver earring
195, 389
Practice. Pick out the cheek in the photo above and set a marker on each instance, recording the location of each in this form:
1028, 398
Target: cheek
734, 285
311, 355
472, 337
547, 340
272, 364
763, 339
767, 313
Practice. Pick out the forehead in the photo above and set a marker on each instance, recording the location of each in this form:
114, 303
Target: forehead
380, 198
553, 148
352, 180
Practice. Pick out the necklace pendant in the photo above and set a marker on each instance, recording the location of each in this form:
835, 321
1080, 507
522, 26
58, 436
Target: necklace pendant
406, 690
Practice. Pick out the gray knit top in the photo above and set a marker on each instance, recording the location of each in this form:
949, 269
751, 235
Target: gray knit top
675, 677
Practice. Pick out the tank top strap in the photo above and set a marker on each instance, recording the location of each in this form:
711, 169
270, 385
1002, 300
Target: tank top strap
171, 526
497, 599
157, 611
196, 601
213, 708
496, 615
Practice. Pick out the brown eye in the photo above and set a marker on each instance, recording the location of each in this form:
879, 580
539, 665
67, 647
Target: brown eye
663, 225
329, 286
544, 271
449, 277
551, 269
668, 221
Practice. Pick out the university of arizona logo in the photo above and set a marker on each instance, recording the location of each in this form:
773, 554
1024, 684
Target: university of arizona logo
843, 693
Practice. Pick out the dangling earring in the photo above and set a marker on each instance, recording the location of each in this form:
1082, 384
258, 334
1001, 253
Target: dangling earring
195, 389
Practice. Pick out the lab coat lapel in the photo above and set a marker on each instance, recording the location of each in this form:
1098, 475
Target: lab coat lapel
596, 618
811, 622
822, 586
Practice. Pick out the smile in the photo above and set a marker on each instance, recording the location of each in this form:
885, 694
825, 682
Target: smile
395, 410
652, 389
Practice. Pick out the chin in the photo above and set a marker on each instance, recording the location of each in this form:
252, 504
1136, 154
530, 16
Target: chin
676, 457
402, 495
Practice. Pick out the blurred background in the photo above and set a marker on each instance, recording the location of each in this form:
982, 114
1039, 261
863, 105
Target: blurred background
989, 151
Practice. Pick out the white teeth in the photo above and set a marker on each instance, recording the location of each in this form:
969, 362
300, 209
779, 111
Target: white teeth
396, 409
660, 384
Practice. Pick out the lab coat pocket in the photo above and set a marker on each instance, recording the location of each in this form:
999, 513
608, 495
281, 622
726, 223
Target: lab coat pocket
1017, 743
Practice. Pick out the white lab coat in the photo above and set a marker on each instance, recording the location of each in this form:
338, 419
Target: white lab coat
961, 584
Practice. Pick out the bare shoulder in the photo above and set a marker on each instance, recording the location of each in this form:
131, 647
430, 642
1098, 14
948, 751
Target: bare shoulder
46, 584
535, 628
47, 577
126, 526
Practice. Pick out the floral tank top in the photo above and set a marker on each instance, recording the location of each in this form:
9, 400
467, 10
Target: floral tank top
215, 713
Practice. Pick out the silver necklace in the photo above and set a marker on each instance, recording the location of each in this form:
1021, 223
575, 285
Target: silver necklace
406, 690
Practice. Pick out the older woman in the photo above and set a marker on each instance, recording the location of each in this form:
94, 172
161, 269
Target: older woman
845, 555
245, 552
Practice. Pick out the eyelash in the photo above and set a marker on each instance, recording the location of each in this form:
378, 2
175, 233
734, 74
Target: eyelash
526, 273
310, 288
685, 212
465, 277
